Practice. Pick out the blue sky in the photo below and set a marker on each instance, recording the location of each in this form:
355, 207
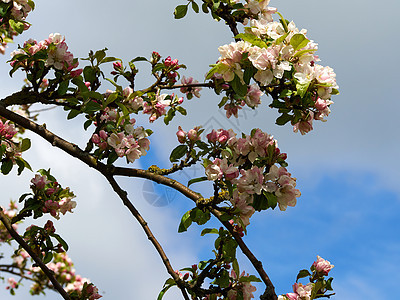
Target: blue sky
348, 168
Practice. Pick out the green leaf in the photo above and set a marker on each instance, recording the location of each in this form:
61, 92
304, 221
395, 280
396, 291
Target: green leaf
195, 180
195, 7
216, 69
87, 124
222, 279
91, 107
26, 164
61, 241
248, 74
235, 266
180, 11
48, 257
272, 200
100, 54
260, 202
72, 114
167, 286
21, 166
17, 26
199, 216
279, 40
301, 52
6, 166
298, 41
63, 87
118, 87
239, 87
109, 59
186, 221
250, 278
89, 74
178, 153
209, 230
181, 110
302, 88
25, 144
112, 158
78, 81
4, 8
252, 39
139, 58
283, 119
204, 7
111, 98
302, 273
283, 21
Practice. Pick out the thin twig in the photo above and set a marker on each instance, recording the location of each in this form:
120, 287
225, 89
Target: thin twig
124, 197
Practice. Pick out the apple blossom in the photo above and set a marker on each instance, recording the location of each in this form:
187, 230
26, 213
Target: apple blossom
322, 266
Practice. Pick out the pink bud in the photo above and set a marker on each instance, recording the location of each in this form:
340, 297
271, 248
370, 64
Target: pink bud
181, 135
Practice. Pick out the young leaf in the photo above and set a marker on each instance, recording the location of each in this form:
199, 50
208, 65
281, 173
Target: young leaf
209, 230
178, 153
6, 166
61, 241
25, 144
195, 7
239, 87
302, 274
180, 11
63, 87
298, 41
283, 119
48, 257
195, 180
186, 221
72, 114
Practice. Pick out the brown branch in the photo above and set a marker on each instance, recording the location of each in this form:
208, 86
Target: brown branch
106, 171
75, 151
270, 289
33, 255
124, 197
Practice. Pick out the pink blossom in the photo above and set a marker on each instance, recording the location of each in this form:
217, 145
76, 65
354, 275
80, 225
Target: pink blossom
253, 96
304, 126
12, 283
322, 266
181, 135
190, 90
7, 130
40, 181
304, 291
251, 181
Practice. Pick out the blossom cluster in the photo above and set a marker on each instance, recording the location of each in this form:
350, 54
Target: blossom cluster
53, 52
10, 213
249, 164
117, 134
247, 167
279, 55
317, 287
64, 272
53, 199
13, 20
246, 288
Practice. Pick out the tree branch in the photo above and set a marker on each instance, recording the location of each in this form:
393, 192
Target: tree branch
106, 171
124, 197
75, 151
